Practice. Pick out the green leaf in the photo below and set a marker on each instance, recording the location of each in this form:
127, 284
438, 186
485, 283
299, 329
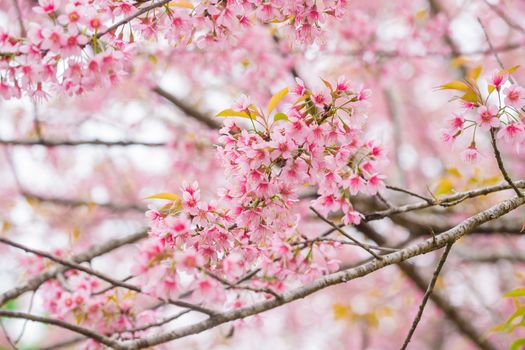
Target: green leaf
517, 344
520, 292
231, 113
280, 116
274, 101
11, 304
164, 195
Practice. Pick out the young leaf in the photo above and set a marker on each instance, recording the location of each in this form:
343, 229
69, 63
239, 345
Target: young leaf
474, 73
231, 113
455, 85
517, 344
510, 70
280, 116
164, 195
520, 292
185, 4
470, 96
274, 101
444, 186
328, 85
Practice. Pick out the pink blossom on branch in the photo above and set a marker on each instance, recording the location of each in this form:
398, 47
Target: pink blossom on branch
256, 216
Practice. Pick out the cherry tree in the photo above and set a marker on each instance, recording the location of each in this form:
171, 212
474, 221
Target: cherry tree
252, 174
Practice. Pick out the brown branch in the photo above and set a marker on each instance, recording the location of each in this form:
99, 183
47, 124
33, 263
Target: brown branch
64, 343
460, 196
428, 292
340, 241
100, 275
336, 278
188, 110
23, 32
88, 255
335, 227
133, 16
62, 324
501, 166
421, 283
435, 8
118, 207
68, 143
501, 14
410, 193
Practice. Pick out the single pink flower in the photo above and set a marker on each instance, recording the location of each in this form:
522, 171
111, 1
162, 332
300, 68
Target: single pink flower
514, 96
470, 155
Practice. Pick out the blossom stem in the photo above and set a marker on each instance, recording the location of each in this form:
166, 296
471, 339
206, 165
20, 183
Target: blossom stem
504, 172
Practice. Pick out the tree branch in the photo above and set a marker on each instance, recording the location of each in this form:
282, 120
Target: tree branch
62, 324
88, 255
188, 110
428, 292
335, 227
335, 278
67, 143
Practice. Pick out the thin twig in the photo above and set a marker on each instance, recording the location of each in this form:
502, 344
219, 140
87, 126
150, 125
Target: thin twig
23, 31
7, 336
68, 143
443, 201
88, 255
62, 324
29, 309
492, 49
335, 227
340, 241
335, 278
426, 296
501, 14
188, 110
133, 16
410, 270
102, 276
413, 194
497, 154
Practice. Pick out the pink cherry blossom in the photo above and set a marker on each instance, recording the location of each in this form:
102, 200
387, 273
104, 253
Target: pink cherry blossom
487, 117
514, 96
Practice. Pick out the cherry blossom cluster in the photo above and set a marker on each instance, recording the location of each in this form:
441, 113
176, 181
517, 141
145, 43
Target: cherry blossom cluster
74, 46
209, 247
82, 299
496, 107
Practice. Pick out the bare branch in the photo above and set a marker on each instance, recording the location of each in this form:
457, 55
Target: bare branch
501, 167
462, 324
118, 207
428, 292
62, 324
100, 275
68, 143
460, 196
335, 227
188, 110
